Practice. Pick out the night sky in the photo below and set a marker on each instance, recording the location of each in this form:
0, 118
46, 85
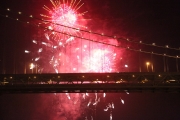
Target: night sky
147, 21
150, 21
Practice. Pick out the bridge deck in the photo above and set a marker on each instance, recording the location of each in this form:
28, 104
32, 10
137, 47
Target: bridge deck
90, 82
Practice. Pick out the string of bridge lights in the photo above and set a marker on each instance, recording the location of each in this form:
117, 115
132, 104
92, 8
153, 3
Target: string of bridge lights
114, 37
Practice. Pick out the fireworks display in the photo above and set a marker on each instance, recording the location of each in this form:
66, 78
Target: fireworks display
64, 50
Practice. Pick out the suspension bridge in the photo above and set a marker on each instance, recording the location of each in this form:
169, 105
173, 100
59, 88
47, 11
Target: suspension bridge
142, 67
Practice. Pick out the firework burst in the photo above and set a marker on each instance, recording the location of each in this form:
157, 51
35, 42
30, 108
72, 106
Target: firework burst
62, 18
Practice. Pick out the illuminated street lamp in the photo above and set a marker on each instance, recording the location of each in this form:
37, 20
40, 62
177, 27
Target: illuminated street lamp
147, 64
32, 66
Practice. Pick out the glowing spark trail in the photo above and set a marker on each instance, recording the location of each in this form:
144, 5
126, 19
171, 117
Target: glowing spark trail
104, 94
89, 102
122, 101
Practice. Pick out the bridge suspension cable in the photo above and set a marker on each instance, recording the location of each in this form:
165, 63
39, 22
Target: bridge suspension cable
113, 37
100, 34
